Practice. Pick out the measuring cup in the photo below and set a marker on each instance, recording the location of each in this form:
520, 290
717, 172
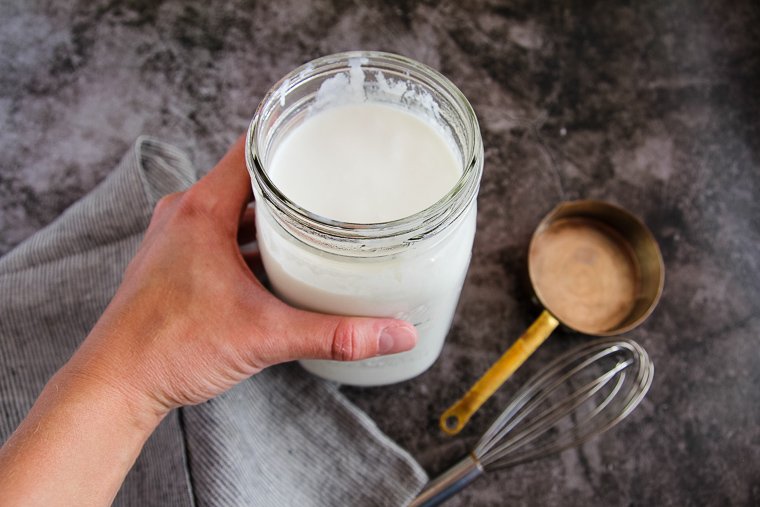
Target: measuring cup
595, 269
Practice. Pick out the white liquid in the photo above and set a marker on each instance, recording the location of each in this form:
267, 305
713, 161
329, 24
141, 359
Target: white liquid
364, 163
368, 163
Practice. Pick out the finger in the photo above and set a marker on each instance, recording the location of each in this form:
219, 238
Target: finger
226, 189
292, 334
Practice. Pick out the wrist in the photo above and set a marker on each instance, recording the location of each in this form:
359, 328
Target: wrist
124, 404
80, 427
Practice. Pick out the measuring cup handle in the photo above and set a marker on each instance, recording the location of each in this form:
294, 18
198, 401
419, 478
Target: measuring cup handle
454, 419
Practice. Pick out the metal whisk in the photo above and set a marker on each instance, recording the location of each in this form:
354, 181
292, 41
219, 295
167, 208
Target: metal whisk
562, 406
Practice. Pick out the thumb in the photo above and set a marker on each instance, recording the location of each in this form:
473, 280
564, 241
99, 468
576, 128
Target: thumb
292, 334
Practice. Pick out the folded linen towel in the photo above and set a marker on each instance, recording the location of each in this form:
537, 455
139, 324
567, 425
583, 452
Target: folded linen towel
280, 438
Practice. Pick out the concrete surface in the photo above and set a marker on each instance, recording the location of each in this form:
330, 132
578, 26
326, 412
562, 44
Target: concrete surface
652, 105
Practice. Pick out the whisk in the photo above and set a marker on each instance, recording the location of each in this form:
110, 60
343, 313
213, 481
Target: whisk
564, 405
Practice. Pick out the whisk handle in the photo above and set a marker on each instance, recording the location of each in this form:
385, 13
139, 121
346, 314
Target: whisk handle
451, 482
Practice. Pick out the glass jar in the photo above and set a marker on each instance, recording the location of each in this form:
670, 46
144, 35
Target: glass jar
412, 268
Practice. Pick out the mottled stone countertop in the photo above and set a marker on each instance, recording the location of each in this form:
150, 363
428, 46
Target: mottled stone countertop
652, 105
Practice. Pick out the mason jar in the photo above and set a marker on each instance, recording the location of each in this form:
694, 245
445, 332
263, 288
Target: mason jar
412, 268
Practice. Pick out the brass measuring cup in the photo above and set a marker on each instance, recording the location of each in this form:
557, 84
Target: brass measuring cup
595, 269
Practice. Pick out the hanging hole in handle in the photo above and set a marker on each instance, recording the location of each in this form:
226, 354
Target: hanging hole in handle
451, 424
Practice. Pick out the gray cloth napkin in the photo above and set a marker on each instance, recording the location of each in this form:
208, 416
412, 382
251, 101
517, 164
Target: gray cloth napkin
280, 438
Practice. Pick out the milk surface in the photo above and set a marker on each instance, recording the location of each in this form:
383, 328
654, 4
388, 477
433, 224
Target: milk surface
369, 163
364, 163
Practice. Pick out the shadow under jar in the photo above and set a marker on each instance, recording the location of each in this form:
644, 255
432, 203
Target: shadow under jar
412, 268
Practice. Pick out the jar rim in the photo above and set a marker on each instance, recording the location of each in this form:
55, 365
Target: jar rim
429, 217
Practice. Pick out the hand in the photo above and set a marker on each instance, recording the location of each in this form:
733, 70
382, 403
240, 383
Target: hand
190, 320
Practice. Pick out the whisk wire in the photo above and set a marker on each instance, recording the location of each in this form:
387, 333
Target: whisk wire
512, 438
560, 442
547, 419
537, 384
537, 391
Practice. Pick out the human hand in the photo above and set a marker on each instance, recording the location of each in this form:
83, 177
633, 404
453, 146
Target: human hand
190, 320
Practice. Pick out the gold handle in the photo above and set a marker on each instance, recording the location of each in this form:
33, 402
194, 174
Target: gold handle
454, 419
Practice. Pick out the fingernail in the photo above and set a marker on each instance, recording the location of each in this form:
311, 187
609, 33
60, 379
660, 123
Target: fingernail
396, 339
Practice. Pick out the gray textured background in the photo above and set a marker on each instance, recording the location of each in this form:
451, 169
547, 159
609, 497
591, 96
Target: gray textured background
653, 105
